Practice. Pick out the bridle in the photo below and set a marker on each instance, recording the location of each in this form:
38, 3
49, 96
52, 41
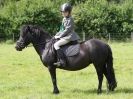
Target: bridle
38, 44
22, 42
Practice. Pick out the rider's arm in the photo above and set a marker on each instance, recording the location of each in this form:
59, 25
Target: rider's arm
57, 34
69, 25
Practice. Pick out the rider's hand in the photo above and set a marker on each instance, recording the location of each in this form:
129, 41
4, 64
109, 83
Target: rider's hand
56, 37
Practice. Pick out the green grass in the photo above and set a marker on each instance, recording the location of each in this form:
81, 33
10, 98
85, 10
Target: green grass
22, 76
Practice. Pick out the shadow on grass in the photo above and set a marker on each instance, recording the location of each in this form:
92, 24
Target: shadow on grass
124, 90
94, 91
91, 91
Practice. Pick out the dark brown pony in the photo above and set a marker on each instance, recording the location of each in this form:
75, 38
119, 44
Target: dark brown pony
91, 51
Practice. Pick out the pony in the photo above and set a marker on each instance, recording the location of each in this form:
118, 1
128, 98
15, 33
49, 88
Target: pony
91, 51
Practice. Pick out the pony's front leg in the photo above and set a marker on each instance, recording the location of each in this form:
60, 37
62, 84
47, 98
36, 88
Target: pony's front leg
52, 70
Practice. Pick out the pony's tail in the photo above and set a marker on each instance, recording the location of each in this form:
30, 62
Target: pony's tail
110, 71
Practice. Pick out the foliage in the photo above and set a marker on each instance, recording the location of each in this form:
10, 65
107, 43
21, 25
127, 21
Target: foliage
95, 18
101, 19
4, 22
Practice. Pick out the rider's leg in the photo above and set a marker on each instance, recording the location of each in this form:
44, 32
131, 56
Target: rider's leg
60, 43
62, 60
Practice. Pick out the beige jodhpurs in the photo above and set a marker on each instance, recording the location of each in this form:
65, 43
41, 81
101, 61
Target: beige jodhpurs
60, 43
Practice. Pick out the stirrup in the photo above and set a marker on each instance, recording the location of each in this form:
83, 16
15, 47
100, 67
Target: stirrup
57, 64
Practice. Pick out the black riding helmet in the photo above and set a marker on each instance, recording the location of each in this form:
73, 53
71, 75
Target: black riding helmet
66, 7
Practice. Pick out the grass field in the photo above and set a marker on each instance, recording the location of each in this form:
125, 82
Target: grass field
22, 76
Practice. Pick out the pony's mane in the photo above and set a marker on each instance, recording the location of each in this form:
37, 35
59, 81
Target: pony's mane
35, 29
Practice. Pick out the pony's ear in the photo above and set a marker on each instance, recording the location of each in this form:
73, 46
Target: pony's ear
34, 30
29, 28
37, 32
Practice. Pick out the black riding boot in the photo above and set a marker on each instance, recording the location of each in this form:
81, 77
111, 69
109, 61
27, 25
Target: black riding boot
61, 58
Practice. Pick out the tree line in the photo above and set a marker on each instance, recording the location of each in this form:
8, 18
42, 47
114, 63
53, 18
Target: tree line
93, 17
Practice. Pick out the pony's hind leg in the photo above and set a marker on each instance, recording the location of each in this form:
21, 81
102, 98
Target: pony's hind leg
111, 84
99, 70
106, 75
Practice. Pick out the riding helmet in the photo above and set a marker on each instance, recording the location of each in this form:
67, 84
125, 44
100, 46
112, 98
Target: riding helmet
66, 7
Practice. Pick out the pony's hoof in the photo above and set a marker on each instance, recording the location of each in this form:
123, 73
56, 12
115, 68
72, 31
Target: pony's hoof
112, 86
56, 92
99, 92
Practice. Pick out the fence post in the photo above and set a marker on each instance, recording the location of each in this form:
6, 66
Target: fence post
13, 37
83, 36
109, 37
132, 36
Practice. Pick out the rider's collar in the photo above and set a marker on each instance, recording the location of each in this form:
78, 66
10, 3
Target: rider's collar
68, 16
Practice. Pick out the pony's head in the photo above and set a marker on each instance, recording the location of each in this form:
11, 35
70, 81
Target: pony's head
30, 34
24, 38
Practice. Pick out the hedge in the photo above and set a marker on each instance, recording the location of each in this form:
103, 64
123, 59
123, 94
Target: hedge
97, 18
101, 19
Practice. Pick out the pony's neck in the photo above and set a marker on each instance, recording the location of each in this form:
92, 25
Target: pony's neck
39, 45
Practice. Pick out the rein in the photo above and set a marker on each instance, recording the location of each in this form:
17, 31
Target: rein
40, 43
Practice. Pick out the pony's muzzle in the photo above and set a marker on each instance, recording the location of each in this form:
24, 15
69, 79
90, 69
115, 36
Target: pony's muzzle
19, 46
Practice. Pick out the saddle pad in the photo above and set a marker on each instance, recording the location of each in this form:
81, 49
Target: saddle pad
71, 50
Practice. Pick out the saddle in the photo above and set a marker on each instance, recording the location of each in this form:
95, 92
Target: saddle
71, 49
